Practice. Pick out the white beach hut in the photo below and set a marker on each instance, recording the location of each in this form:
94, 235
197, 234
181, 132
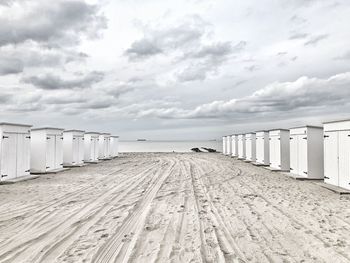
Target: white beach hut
234, 145
279, 150
229, 145
114, 142
91, 147
46, 150
306, 152
262, 148
241, 146
250, 147
224, 142
73, 148
15, 151
104, 146
337, 153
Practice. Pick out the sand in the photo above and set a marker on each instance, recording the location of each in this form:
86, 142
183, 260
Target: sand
193, 207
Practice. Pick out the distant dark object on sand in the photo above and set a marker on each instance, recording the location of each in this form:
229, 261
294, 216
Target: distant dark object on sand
209, 150
197, 150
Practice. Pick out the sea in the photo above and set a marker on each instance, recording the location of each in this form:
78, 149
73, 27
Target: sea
167, 146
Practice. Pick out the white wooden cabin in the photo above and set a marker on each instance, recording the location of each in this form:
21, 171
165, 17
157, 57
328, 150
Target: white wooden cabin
229, 145
241, 146
224, 142
15, 151
46, 150
306, 152
73, 148
91, 147
104, 146
337, 153
250, 143
234, 140
114, 142
262, 148
279, 150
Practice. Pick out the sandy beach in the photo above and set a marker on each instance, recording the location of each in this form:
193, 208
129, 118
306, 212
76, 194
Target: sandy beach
172, 208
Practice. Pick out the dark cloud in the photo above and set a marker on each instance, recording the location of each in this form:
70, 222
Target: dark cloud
206, 60
315, 40
219, 50
55, 82
195, 71
16, 59
6, 2
10, 65
96, 104
143, 49
298, 35
281, 54
52, 23
252, 68
157, 41
64, 99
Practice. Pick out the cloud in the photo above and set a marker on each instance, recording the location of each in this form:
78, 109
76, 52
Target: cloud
206, 60
165, 39
10, 65
55, 82
298, 35
52, 23
15, 59
345, 56
315, 40
6, 2
297, 19
309, 95
5, 98
219, 49
252, 68
142, 49
63, 99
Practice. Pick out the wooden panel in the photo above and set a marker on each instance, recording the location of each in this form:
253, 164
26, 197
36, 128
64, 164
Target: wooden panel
50, 152
294, 152
344, 159
331, 166
8, 156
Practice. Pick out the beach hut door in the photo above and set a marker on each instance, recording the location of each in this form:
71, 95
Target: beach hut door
302, 155
331, 164
259, 149
96, 148
75, 150
8, 156
23, 154
58, 151
275, 151
81, 150
249, 148
50, 152
92, 149
294, 152
344, 159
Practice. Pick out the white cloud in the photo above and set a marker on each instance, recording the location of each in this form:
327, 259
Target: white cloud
313, 95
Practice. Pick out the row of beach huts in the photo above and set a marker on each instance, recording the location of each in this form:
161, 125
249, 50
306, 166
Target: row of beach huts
307, 152
26, 151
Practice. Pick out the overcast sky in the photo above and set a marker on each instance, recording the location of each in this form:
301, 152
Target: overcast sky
163, 69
